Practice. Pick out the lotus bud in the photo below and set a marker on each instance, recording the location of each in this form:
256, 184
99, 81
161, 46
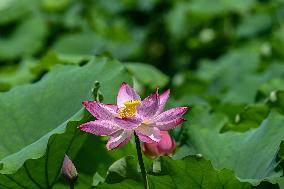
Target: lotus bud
166, 146
68, 169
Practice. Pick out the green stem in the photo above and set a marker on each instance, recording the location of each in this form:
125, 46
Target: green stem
72, 185
141, 163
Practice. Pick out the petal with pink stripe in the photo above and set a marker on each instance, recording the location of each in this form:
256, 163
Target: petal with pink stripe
126, 93
167, 125
112, 106
163, 98
100, 110
100, 127
119, 139
149, 106
128, 123
170, 114
148, 134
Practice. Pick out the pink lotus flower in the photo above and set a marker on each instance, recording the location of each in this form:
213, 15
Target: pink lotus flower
166, 146
145, 118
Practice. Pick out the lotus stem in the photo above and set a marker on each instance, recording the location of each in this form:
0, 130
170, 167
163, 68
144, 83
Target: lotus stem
141, 163
72, 185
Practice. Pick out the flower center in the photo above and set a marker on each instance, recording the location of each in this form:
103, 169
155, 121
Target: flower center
129, 110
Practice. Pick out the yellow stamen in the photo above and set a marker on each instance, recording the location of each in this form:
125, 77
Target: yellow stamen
129, 110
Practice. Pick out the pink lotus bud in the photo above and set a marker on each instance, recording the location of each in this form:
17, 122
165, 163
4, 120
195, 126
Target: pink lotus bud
68, 170
166, 146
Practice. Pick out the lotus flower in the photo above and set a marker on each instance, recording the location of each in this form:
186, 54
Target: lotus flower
166, 146
145, 118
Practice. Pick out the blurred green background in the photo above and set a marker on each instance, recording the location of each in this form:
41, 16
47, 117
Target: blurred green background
190, 41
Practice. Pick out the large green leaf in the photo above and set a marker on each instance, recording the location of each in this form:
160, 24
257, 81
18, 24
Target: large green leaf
251, 155
35, 117
98, 161
190, 172
280, 182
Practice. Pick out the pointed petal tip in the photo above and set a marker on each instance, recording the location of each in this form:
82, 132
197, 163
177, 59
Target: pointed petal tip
187, 108
108, 145
84, 127
124, 84
85, 102
167, 91
165, 95
184, 109
81, 127
88, 102
108, 148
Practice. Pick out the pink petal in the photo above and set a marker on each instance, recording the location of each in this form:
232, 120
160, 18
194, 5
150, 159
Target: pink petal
112, 106
148, 134
148, 106
100, 127
124, 142
167, 144
170, 114
166, 140
167, 125
163, 98
144, 138
171, 150
119, 139
128, 123
99, 110
126, 93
